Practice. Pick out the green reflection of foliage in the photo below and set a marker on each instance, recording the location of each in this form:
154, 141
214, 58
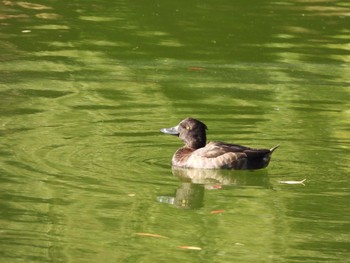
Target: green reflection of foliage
84, 93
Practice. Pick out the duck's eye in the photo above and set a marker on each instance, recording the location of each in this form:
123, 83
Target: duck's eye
188, 128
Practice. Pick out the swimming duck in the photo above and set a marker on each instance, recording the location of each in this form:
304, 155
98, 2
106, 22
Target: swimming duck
197, 153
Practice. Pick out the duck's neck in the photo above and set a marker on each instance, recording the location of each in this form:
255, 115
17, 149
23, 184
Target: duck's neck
197, 142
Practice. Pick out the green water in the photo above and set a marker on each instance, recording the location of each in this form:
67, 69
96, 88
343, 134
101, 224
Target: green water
85, 87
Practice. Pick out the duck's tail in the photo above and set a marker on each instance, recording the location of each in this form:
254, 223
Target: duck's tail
274, 148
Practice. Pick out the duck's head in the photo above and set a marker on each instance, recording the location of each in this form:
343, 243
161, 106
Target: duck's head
191, 131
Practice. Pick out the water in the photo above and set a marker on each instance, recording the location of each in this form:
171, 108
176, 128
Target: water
85, 172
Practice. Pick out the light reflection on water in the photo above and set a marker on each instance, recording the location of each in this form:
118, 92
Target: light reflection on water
84, 92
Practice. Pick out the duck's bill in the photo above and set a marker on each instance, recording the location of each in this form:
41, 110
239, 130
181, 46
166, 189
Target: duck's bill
172, 130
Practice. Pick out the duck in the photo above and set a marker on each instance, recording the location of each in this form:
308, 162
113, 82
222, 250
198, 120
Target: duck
197, 153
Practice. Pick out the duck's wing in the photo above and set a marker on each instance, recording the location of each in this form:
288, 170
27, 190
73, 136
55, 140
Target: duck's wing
259, 153
215, 149
231, 156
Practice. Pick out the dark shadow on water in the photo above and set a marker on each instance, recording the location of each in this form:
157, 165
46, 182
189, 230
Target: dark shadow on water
195, 182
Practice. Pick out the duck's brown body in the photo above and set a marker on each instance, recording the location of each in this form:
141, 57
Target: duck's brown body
214, 155
218, 155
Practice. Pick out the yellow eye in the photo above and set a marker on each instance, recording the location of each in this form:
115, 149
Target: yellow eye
188, 128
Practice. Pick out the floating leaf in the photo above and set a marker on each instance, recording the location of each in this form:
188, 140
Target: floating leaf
293, 182
190, 247
150, 235
213, 187
217, 211
196, 68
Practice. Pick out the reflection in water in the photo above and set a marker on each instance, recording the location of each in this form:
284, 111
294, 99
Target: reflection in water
187, 196
26, 5
194, 183
223, 177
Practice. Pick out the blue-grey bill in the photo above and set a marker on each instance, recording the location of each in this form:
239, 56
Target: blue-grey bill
172, 130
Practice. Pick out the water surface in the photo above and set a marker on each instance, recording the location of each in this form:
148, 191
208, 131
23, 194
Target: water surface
85, 88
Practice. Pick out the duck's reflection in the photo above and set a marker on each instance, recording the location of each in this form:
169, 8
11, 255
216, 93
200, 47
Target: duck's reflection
194, 182
187, 196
